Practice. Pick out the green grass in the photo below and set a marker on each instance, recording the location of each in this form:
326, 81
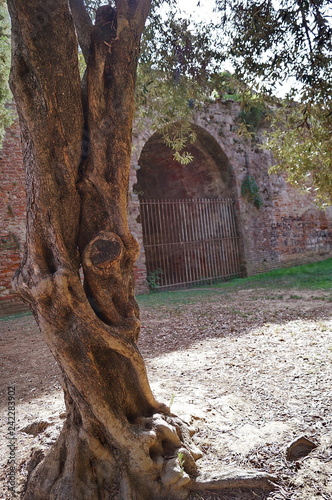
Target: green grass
316, 276
15, 316
188, 296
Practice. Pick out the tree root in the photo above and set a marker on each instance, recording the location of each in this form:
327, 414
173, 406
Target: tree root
159, 463
236, 479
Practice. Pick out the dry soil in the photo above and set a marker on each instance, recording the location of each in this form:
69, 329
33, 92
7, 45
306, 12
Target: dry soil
250, 370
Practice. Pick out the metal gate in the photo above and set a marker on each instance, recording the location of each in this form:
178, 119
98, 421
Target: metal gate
189, 241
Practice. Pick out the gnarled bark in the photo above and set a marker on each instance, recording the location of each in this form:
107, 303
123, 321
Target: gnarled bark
118, 442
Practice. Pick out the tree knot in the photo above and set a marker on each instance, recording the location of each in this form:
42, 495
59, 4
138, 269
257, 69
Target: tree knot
103, 252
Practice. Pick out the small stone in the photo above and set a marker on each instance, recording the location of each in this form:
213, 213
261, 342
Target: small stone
36, 427
300, 447
174, 474
195, 451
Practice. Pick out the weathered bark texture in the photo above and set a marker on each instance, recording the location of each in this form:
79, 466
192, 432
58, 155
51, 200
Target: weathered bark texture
118, 442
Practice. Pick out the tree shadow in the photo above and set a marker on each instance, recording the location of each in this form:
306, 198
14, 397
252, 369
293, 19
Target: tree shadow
176, 326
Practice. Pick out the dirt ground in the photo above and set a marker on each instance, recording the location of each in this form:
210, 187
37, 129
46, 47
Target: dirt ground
251, 370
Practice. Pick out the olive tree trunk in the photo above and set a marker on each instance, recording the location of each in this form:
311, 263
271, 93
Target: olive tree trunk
117, 442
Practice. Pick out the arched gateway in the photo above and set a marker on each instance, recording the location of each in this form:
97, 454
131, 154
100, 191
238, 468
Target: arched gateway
188, 213
288, 229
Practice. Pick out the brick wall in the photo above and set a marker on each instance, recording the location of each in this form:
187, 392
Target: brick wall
12, 215
287, 230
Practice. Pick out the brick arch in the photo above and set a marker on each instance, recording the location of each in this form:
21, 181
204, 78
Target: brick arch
209, 175
188, 213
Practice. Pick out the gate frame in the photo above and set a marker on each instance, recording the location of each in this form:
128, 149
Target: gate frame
161, 218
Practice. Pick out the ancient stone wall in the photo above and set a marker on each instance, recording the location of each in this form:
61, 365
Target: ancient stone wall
288, 228
12, 214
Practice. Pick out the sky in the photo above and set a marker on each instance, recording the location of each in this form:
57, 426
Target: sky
203, 11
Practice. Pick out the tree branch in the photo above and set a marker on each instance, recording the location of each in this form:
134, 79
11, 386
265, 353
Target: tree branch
306, 28
83, 25
236, 479
135, 11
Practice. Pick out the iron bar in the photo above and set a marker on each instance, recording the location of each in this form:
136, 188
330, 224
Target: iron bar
191, 241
